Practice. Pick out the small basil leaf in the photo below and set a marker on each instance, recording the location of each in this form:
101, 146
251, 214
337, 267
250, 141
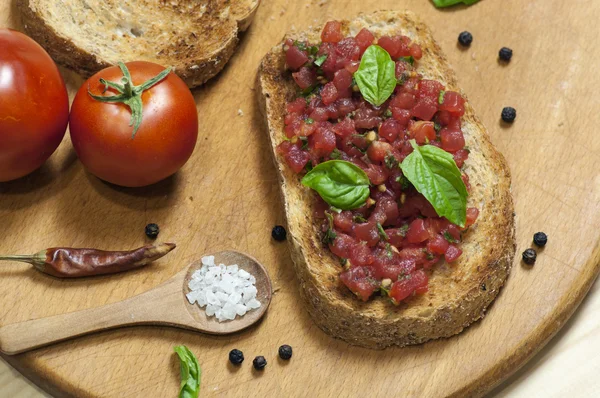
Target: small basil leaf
376, 75
190, 373
435, 175
447, 3
410, 59
341, 184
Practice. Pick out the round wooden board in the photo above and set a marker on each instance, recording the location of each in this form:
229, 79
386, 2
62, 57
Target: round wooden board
226, 197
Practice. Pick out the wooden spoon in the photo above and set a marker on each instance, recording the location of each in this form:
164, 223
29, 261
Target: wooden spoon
165, 305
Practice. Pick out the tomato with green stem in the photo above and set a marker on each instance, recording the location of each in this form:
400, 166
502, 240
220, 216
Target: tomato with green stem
134, 124
34, 105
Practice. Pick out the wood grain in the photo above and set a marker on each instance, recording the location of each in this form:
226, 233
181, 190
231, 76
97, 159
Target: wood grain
164, 305
226, 198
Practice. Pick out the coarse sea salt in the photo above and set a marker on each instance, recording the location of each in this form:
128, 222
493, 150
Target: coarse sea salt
225, 291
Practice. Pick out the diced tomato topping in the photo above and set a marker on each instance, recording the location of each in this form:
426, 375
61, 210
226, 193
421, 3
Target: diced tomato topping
472, 214
452, 140
460, 157
378, 150
332, 32
416, 52
452, 254
367, 232
323, 141
295, 58
390, 44
305, 77
364, 39
343, 221
396, 234
438, 245
407, 286
417, 232
453, 102
297, 159
390, 129
359, 282
422, 132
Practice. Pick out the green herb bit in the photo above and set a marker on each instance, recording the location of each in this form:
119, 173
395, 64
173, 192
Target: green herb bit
300, 45
309, 120
441, 98
190, 373
390, 161
320, 60
403, 230
387, 113
388, 249
449, 237
343, 262
382, 233
359, 219
336, 154
410, 59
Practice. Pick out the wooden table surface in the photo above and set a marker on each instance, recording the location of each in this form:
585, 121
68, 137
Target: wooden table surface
567, 366
226, 198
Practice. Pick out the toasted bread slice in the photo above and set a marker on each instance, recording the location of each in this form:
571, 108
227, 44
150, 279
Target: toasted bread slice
196, 38
458, 294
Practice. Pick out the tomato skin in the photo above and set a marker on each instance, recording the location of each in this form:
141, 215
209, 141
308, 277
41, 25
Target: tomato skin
102, 137
34, 105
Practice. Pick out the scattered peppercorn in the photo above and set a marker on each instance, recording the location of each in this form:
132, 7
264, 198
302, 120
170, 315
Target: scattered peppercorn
236, 357
279, 233
152, 230
540, 239
285, 352
259, 363
505, 54
509, 114
465, 38
529, 256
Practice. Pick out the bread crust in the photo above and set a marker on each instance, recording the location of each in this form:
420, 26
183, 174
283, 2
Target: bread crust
195, 55
458, 294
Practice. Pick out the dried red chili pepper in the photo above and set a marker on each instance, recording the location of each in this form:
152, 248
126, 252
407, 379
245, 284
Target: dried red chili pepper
64, 262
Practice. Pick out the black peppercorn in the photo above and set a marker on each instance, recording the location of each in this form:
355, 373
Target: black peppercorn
509, 114
529, 256
152, 230
279, 233
236, 357
285, 352
465, 38
259, 363
505, 54
540, 239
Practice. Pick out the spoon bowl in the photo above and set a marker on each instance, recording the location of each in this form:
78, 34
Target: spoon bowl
165, 305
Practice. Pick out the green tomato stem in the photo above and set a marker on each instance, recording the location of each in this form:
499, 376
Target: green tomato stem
129, 94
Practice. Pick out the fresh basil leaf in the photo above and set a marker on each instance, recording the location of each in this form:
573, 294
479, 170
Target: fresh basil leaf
435, 175
341, 184
319, 61
382, 232
447, 3
190, 373
300, 45
376, 75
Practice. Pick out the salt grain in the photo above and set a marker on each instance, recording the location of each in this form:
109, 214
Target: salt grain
225, 291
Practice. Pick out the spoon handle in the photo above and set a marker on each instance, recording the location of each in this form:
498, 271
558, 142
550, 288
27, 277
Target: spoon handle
163, 306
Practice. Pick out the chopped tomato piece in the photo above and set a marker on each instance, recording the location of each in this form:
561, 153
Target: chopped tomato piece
305, 77
472, 214
390, 44
422, 132
452, 254
295, 58
332, 32
417, 232
364, 39
359, 282
452, 140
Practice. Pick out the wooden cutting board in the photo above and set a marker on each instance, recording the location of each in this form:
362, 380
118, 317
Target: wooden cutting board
226, 197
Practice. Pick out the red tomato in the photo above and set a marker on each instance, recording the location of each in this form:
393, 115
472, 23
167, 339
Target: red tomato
102, 136
34, 105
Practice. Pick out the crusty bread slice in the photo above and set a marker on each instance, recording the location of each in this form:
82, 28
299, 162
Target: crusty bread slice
196, 38
458, 294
